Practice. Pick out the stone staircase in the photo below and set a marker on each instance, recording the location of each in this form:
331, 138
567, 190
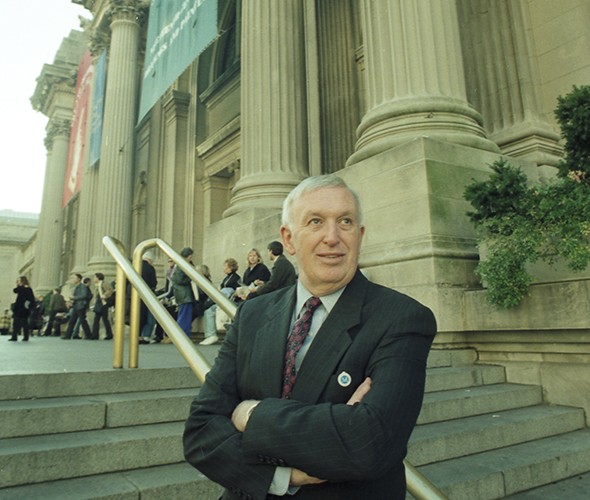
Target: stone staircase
109, 435
117, 435
479, 437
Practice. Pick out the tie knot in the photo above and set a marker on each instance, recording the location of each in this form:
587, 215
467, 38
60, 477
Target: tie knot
312, 303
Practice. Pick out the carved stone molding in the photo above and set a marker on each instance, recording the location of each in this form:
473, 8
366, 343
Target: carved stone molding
53, 79
57, 127
98, 40
129, 10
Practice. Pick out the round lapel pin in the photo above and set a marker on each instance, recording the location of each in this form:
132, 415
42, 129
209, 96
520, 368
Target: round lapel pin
344, 379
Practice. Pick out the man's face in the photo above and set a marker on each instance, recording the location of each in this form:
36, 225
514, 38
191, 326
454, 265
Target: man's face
75, 280
325, 236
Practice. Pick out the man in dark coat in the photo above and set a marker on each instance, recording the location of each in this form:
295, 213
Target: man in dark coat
147, 322
81, 298
317, 387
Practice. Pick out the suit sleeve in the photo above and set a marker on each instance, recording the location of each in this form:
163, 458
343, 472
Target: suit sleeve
277, 276
211, 442
338, 442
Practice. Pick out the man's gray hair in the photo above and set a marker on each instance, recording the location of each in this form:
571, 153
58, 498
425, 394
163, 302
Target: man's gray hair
312, 184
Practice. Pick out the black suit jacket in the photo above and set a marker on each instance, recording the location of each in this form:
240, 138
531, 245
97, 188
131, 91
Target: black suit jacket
282, 275
372, 331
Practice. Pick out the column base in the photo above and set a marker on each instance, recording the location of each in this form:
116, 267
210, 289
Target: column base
400, 121
266, 190
532, 141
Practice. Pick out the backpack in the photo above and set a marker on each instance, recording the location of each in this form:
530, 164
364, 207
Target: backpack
110, 302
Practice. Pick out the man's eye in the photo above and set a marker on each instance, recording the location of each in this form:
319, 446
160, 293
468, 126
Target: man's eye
315, 221
346, 221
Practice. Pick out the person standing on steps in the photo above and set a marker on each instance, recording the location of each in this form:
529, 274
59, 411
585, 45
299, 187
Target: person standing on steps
22, 308
81, 298
183, 293
101, 308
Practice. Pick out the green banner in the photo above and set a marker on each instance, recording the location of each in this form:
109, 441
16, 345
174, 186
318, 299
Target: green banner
178, 31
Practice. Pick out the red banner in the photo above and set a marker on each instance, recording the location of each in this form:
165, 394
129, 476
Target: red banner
75, 166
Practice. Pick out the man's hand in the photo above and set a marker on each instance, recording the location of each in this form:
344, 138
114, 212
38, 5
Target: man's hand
360, 392
300, 478
242, 412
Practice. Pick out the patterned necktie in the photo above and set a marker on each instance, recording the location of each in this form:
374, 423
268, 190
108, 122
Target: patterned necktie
294, 343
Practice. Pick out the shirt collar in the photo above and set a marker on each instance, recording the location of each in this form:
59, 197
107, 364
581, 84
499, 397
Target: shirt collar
328, 301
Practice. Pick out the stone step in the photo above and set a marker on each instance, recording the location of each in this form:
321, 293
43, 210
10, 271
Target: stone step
506, 471
175, 481
456, 438
479, 400
438, 358
37, 459
55, 415
55, 385
574, 488
443, 379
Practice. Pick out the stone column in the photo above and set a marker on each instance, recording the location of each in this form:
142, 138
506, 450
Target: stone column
48, 247
114, 191
177, 182
87, 240
506, 92
414, 77
273, 104
339, 110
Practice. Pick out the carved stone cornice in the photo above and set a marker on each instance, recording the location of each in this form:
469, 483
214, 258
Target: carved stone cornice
56, 127
99, 39
130, 10
53, 78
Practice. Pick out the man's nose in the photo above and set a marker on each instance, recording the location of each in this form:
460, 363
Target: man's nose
332, 233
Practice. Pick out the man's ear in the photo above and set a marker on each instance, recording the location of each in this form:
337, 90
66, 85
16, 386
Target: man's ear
287, 237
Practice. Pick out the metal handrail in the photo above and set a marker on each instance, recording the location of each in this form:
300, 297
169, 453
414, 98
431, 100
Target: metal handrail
140, 291
417, 484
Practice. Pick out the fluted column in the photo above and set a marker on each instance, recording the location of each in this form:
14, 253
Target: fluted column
506, 92
339, 111
273, 104
114, 192
48, 248
414, 77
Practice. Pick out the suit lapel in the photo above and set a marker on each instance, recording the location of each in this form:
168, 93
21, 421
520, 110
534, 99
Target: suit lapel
331, 342
270, 343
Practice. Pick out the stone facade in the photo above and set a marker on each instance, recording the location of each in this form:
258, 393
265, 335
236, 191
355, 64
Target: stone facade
17, 242
408, 101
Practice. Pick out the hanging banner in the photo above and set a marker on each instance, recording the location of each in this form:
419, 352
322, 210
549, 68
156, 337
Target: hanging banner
98, 93
74, 168
178, 31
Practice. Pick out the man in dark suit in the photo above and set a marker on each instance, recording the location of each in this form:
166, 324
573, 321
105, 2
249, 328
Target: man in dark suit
282, 273
341, 431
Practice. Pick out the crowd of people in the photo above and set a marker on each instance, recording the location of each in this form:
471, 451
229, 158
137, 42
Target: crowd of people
48, 314
67, 316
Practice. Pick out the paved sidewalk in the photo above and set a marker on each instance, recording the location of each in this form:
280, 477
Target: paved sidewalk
54, 355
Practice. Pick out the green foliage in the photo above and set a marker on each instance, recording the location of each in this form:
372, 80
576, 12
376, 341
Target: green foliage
553, 222
573, 115
499, 200
520, 223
